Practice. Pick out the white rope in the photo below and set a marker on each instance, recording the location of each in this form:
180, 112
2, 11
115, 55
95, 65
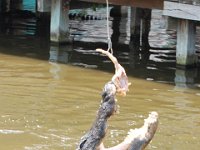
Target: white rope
108, 32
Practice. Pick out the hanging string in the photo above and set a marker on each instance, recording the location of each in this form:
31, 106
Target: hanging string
108, 32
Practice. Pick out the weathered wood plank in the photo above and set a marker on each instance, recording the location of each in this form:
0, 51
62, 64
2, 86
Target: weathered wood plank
184, 11
156, 4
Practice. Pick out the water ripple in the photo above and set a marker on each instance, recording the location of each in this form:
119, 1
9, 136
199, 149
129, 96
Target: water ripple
11, 131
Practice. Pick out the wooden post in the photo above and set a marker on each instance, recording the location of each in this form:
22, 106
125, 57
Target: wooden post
140, 27
146, 25
119, 25
15, 4
60, 21
1, 2
124, 23
185, 50
116, 14
135, 30
43, 5
43, 8
7, 5
2, 6
36, 5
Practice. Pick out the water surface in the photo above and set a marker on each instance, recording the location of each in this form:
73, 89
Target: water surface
50, 106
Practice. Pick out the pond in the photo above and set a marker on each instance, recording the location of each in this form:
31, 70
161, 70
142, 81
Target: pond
50, 94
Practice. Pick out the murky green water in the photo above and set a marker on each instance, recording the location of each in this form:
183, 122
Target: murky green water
50, 106
50, 94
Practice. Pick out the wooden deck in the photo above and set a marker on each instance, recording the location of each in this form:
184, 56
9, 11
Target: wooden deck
153, 4
186, 13
180, 10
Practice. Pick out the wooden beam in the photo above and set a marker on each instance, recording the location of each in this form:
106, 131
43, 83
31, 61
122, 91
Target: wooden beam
152, 4
184, 11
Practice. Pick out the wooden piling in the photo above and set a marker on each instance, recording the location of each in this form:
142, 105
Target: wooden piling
59, 22
124, 23
140, 28
43, 5
146, 25
7, 5
135, 30
186, 16
1, 6
185, 49
116, 14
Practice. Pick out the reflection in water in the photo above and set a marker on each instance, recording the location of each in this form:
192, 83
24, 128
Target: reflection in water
49, 106
185, 78
60, 53
55, 69
50, 94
